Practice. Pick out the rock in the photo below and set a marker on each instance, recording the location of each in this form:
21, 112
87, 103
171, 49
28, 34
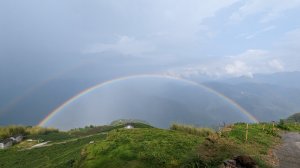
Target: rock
245, 161
240, 162
230, 164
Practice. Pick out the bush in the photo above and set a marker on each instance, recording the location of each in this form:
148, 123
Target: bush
213, 152
40, 130
192, 130
11, 130
282, 125
8, 131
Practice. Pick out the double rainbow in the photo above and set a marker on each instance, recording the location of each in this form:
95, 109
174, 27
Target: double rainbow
93, 88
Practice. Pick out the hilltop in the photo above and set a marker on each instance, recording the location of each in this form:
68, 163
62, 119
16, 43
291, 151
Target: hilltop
294, 118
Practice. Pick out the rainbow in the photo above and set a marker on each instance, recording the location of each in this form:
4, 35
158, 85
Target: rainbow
91, 89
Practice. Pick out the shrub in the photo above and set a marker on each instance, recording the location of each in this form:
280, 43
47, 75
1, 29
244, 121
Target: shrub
212, 153
192, 130
40, 130
11, 130
8, 131
282, 125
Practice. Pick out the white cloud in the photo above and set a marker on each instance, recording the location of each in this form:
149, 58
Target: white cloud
244, 64
250, 62
271, 9
238, 68
125, 46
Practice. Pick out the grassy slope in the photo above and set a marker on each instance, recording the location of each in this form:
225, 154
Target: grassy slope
165, 148
145, 147
232, 143
149, 147
60, 155
55, 136
261, 138
295, 127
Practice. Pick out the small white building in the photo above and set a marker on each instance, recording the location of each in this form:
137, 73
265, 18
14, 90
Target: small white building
6, 143
129, 126
17, 138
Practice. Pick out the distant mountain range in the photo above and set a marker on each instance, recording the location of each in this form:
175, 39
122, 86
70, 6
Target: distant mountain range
267, 96
283, 79
266, 102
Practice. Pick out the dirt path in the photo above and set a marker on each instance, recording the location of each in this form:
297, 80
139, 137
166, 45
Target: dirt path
289, 153
47, 144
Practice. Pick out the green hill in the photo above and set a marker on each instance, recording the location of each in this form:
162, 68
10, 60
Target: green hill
143, 146
292, 123
294, 118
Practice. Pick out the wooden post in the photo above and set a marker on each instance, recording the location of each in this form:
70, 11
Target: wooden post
273, 128
247, 131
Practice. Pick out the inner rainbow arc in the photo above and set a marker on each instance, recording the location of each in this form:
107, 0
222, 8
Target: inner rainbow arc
91, 89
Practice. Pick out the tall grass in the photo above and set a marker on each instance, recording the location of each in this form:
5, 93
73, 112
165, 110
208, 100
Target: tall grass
192, 129
36, 130
11, 130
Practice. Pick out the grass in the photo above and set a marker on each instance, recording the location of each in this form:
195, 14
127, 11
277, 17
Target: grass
148, 147
289, 126
65, 152
7, 131
105, 128
54, 136
144, 146
25, 144
232, 143
60, 155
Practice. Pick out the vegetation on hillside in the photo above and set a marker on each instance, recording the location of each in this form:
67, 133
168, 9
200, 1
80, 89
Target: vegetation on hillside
11, 130
231, 142
148, 147
126, 121
62, 155
145, 146
90, 130
292, 123
192, 129
289, 126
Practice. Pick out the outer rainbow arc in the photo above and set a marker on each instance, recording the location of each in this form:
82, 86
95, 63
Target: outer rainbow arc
33, 88
89, 90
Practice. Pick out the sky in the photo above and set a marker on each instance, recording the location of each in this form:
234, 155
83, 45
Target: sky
101, 40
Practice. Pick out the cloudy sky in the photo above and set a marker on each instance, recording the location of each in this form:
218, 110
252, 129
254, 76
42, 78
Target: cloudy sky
42, 40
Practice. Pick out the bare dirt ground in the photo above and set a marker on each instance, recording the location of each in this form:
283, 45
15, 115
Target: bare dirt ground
288, 153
